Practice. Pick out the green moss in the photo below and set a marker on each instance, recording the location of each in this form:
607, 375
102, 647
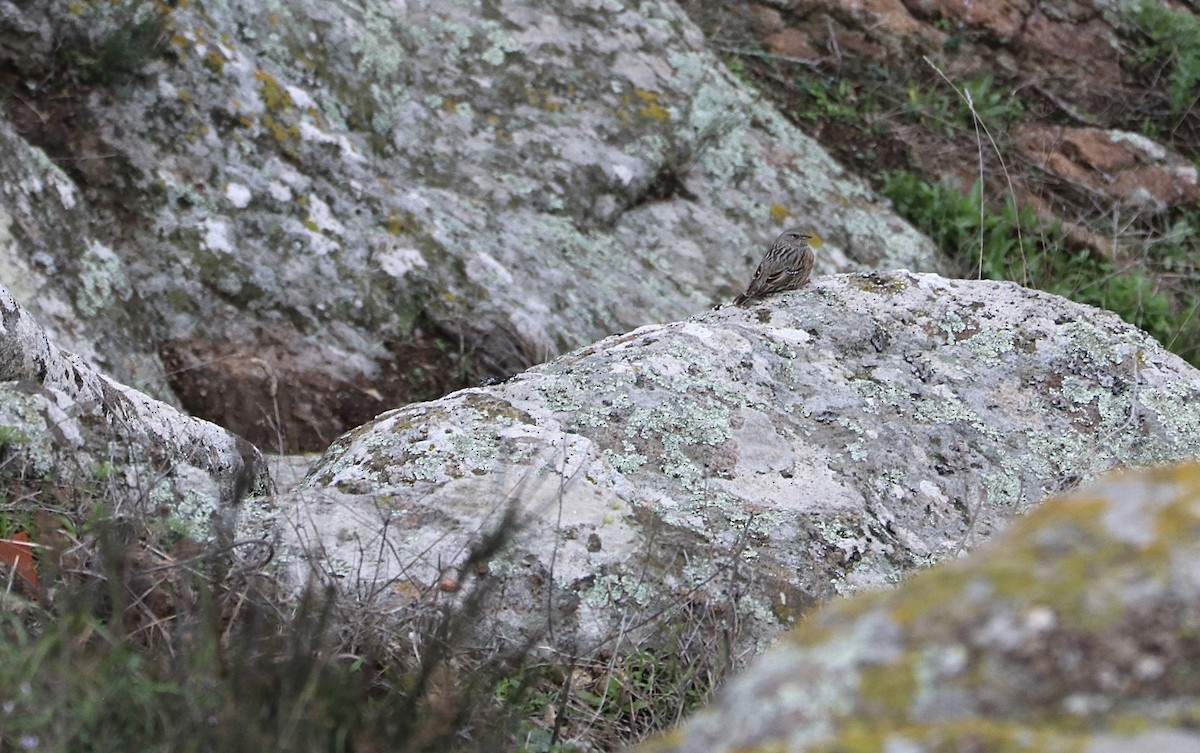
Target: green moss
399, 223
274, 95
12, 435
283, 132
214, 61
127, 38
973, 733
886, 692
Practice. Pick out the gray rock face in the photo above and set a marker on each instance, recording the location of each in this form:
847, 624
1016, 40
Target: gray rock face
1076, 629
76, 285
68, 433
738, 467
324, 206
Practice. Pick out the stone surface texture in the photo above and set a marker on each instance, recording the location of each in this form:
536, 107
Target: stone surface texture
744, 464
1074, 631
68, 433
316, 211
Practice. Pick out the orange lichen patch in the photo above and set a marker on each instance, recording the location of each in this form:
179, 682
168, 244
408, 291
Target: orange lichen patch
17, 553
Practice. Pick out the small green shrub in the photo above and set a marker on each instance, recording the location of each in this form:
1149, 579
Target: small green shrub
136, 34
992, 104
1175, 38
950, 113
11, 435
825, 99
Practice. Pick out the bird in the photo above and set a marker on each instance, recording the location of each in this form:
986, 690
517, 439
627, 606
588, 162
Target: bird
786, 266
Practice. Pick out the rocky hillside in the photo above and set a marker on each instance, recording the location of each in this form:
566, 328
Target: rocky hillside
288, 220
472, 254
1050, 143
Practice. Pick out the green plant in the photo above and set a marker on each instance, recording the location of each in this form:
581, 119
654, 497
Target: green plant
613, 704
131, 35
826, 99
950, 113
992, 105
11, 435
1175, 38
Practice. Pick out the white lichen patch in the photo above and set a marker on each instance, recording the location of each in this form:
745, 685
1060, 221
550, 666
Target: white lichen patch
616, 590
1149, 149
321, 215
500, 44
238, 195
1090, 343
192, 513
951, 323
217, 235
397, 262
64, 188
1179, 413
484, 268
279, 192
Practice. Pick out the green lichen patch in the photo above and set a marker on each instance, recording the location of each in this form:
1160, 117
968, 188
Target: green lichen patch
274, 96
487, 408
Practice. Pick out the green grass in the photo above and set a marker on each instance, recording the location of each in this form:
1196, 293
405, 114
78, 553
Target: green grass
142, 640
942, 110
614, 703
83, 682
1174, 42
1014, 244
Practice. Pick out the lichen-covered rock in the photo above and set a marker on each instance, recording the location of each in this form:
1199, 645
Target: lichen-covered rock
1074, 631
322, 205
77, 287
70, 435
747, 463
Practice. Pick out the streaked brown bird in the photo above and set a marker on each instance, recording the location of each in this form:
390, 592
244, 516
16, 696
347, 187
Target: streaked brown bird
786, 266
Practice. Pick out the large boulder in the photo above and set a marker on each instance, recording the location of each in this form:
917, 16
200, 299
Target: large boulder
1075, 631
738, 467
71, 438
76, 286
327, 209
